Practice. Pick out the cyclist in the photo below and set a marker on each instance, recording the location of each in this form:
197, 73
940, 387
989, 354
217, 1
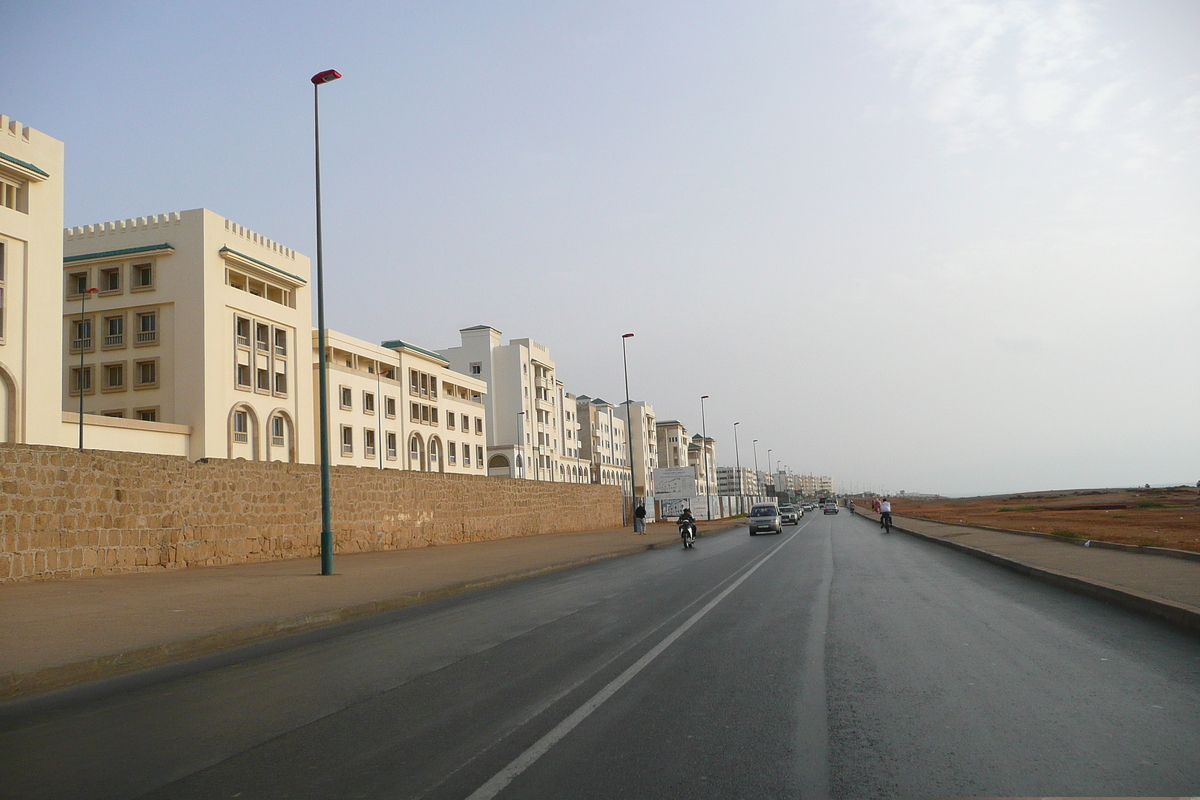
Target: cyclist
885, 514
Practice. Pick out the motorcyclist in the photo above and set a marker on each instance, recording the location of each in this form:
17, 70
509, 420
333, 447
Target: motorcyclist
686, 518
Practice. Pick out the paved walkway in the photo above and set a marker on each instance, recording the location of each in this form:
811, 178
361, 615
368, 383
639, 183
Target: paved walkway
56, 633
1165, 585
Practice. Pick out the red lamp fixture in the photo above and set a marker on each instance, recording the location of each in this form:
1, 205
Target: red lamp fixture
325, 77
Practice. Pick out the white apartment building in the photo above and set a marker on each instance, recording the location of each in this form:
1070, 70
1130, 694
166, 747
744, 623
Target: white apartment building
522, 411
191, 320
735, 481
673, 440
702, 454
31, 216
603, 442
643, 448
575, 468
397, 406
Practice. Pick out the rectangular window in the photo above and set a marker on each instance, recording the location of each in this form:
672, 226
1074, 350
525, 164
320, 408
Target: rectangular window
13, 194
450, 420
369, 442
86, 380
466, 424
110, 280
425, 414
77, 284
235, 279
433, 414
479, 456
433, 387
146, 373
479, 426
466, 455
243, 375
116, 413
114, 376
280, 342
264, 379
277, 431
141, 277
389, 407
149, 414
424, 385
391, 445
114, 331
368, 402
81, 334
414, 382
241, 427
346, 398
241, 327
476, 368
147, 332
414, 412
347, 440
281, 382
262, 337
452, 453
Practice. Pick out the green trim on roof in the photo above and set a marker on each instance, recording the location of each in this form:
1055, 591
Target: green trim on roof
25, 164
392, 344
262, 264
128, 251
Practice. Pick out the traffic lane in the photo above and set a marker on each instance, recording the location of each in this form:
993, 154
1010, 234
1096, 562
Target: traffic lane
734, 708
169, 730
948, 676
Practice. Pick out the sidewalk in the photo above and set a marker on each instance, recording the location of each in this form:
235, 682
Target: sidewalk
1165, 584
58, 633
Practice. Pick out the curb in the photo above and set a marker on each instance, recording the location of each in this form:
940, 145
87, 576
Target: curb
1177, 614
17, 685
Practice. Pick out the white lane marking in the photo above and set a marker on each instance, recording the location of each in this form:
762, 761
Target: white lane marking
539, 748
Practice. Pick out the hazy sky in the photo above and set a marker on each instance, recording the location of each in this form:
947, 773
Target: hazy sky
934, 245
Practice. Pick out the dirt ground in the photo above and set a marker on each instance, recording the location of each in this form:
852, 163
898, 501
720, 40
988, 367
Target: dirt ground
1159, 517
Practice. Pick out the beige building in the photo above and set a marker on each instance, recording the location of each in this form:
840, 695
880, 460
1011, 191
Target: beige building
672, 444
702, 454
643, 448
191, 320
737, 481
31, 215
603, 441
574, 468
397, 406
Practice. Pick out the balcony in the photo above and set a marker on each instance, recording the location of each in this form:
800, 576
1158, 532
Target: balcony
81, 344
147, 336
113, 341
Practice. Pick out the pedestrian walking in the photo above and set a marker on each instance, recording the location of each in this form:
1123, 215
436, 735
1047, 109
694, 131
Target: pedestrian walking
639, 519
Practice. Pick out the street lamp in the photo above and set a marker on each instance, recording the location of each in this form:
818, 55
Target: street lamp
769, 471
323, 366
629, 428
737, 457
704, 451
83, 296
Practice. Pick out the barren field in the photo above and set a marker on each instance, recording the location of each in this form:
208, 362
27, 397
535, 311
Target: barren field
1158, 517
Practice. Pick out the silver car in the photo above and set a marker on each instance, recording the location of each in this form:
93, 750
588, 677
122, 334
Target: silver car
765, 517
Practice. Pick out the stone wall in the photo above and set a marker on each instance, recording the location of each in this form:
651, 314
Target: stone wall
66, 513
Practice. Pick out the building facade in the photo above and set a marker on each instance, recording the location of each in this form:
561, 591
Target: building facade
734, 481
643, 448
604, 442
673, 443
191, 320
397, 406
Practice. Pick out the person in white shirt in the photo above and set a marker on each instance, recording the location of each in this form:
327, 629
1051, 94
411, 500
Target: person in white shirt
885, 512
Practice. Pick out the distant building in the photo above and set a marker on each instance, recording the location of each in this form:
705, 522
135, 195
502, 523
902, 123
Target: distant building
735, 481
672, 443
523, 415
604, 442
643, 444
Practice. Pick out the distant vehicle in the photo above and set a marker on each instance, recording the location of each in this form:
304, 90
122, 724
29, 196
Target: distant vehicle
765, 517
830, 507
790, 515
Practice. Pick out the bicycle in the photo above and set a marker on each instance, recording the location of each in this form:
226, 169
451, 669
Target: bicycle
885, 522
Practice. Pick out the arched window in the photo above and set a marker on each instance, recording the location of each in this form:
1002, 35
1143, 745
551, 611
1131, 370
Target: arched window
416, 453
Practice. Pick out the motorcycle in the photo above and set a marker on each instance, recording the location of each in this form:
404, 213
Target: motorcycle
687, 532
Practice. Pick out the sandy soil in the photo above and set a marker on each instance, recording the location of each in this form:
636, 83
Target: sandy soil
1159, 517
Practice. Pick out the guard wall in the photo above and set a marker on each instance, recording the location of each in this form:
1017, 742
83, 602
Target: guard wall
66, 513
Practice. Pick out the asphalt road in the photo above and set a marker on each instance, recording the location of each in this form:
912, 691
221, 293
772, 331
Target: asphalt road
833, 660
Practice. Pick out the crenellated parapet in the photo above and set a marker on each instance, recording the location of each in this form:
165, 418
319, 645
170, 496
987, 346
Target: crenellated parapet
14, 128
121, 226
159, 221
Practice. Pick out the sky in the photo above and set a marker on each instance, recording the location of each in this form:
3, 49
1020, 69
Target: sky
944, 246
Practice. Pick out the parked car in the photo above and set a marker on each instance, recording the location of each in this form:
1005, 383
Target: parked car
790, 515
830, 507
764, 517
